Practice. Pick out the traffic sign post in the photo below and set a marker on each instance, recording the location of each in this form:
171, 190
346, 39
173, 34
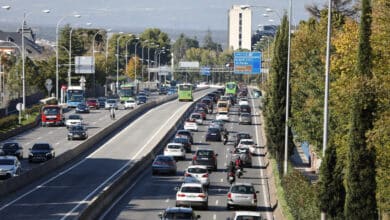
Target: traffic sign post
247, 62
19, 107
48, 85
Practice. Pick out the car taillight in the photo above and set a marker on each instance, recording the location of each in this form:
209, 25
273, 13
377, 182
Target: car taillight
202, 195
194, 158
229, 195
205, 175
187, 174
254, 196
181, 195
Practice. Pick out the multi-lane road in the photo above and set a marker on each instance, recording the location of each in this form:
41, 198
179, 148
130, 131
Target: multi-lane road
148, 195
64, 194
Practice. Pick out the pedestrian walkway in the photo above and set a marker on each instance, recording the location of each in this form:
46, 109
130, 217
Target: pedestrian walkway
301, 162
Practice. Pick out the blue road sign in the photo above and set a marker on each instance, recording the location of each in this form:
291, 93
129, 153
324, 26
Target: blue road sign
205, 71
247, 62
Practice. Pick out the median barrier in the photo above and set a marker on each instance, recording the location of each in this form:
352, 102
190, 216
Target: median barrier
11, 185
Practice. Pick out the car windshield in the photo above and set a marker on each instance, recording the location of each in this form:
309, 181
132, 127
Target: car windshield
242, 136
177, 216
50, 111
174, 146
213, 130
6, 162
196, 116
197, 170
245, 115
164, 159
9, 146
222, 113
247, 142
41, 146
111, 101
241, 189
191, 189
248, 217
180, 140
76, 128
74, 117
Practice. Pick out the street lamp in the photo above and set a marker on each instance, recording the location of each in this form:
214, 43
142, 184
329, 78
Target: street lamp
23, 56
151, 44
57, 27
135, 59
117, 61
142, 68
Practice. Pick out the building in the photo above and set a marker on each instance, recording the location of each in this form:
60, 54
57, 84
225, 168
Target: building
239, 28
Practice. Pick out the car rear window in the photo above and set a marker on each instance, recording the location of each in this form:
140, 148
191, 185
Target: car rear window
204, 153
197, 170
247, 142
242, 189
247, 217
177, 215
196, 116
41, 146
174, 146
164, 159
191, 189
10, 145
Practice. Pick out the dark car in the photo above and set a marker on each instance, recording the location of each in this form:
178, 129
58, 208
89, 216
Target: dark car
41, 152
163, 91
213, 96
141, 99
185, 133
202, 112
77, 132
206, 157
82, 108
164, 164
202, 106
93, 103
245, 108
102, 102
213, 134
12, 149
181, 213
208, 102
185, 141
242, 135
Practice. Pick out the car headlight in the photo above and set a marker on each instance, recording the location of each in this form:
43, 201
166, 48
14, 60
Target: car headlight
48, 154
83, 133
31, 154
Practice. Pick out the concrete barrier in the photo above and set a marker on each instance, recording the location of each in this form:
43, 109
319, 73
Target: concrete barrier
11, 185
105, 198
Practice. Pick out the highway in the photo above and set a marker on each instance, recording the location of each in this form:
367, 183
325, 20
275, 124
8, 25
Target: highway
64, 195
95, 121
149, 195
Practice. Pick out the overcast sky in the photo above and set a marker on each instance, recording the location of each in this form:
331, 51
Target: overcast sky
165, 14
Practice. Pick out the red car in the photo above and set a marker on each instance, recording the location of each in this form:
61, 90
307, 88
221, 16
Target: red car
202, 112
93, 103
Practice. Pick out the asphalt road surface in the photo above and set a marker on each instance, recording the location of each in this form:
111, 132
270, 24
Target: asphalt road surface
149, 195
63, 195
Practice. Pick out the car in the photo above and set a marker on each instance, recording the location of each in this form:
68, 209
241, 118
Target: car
242, 135
77, 132
213, 134
202, 112
209, 103
224, 116
130, 103
12, 149
82, 108
242, 195
93, 103
245, 108
185, 133
9, 167
74, 120
111, 103
162, 91
192, 195
197, 117
41, 152
244, 154
191, 125
141, 99
246, 215
206, 157
202, 106
197, 173
245, 118
185, 141
182, 213
176, 150
247, 143
213, 96
102, 102
243, 101
164, 164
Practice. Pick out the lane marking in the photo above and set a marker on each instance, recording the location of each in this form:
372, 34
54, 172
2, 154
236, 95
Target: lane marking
214, 216
38, 137
167, 200
216, 202
222, 180
57, 143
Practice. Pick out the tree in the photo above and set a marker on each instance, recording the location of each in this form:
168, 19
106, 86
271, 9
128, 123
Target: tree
181, 45
132, 67
360, 198
208, 42
339, 6
331, 188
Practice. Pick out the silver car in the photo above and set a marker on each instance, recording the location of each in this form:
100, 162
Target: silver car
111, 103
245, 118
242, 195
9, 167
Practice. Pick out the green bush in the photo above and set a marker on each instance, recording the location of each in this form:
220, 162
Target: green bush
301, 196
9, 121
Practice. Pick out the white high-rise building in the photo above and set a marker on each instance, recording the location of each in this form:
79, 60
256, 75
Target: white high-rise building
240, 28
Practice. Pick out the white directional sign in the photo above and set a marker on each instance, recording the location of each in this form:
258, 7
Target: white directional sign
187, 64
84, 64
49, 85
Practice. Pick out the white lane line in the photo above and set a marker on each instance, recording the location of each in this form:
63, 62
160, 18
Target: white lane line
27, 143
80, 162
50, 132
57, 143
269, 216
39, 138
216, 202
167, 200
222, 180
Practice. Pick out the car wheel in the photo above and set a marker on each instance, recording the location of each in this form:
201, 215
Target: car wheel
228, 207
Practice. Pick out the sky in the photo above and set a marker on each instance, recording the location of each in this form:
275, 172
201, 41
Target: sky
163, 14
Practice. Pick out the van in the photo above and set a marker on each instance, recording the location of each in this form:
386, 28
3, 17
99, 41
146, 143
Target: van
223, 106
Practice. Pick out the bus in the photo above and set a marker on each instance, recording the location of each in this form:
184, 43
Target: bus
74, 96
126, 91
231, 88
184, 92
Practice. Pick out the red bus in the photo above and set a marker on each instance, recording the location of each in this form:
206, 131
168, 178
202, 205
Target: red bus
52, 115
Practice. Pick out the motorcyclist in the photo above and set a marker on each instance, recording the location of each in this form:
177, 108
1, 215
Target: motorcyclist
238, 163
225, 138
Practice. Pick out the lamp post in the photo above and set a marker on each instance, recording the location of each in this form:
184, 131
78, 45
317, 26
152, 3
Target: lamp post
135, 59
151, 44
57, 27
142, 68
24, 56
117, 62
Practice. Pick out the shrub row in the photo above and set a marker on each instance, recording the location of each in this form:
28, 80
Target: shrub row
10, 121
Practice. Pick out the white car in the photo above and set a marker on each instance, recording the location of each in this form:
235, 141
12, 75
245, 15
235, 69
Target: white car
111, 103
190, 125
175, 150
197, 117
130, 103
9, 167
247, 143
243, 101
74, 120
239, 215
192, 195
197, 173
224, 116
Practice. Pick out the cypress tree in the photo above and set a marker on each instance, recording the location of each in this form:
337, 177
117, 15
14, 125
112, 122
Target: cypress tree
332, 191
360, 198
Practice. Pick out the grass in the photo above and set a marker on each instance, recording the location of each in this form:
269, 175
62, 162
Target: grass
27, 120
280, 191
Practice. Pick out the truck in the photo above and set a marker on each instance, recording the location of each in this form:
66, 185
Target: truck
52, 115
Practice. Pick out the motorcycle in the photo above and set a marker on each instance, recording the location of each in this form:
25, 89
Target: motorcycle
239, 172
